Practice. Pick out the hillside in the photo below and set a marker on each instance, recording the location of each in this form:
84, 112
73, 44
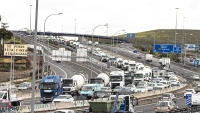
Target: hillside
167, 36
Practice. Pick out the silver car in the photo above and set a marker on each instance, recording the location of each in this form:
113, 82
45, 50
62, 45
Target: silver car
165, 106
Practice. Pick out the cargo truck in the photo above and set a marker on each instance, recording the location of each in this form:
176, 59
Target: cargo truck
74, 84
116, 79
50, 87
148, 57
102, 79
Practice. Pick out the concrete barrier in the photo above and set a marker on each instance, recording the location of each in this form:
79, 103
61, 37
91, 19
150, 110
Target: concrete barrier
27, 95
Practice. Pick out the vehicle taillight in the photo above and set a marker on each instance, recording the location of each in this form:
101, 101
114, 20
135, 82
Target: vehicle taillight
168, 108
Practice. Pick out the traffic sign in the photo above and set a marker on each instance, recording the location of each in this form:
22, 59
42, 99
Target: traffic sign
196, 62
188, 100
133, 35
177, 49
128, 35
199, 47
163, 48
190, 47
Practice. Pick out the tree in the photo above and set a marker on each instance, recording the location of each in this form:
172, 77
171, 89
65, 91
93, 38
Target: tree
4, 35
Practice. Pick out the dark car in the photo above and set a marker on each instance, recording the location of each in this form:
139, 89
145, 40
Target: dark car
135, 51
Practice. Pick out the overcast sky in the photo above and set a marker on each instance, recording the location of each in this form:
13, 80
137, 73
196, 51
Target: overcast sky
132, 15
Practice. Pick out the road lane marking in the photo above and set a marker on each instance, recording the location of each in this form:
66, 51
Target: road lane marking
60, 69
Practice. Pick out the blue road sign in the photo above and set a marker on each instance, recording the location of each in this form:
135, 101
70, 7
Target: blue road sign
133, 35
163, 48
199, 47
128, 35
188, 100
177, 49
196, 62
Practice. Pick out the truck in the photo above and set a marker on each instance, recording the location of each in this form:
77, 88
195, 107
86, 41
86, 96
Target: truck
50, 87
119, 62
89, 89
116, 79
139, 76
114, 104
8, 94
103, 79
125, 64
96, 43
74, 84
148, 57
165, 62
128, 77
131, 67
195, 98
111, 60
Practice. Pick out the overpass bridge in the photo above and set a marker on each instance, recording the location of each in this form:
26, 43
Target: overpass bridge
120, 39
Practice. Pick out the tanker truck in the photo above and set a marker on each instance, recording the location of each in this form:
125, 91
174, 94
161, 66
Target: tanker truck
74, 84
103, 79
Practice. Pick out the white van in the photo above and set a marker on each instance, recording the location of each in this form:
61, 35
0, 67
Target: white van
132, 65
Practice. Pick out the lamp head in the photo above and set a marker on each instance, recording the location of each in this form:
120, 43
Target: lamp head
60, 13
191, 34
106, 24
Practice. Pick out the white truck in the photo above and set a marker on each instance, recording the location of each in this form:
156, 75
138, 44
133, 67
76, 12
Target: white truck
96, 43
74, 84
195, 99
125, 64
132, 65
148, 57
139, 76
165, 62
8, 93
103, 79
116, 79
119, 62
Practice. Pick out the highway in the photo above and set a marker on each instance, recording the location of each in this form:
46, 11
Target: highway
126, 52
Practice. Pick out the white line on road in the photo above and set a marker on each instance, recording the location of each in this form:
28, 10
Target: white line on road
59, 68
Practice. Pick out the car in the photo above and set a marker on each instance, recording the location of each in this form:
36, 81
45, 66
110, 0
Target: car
169, 74
135, 51
141, 88
159, 86
165, 83
64, 111
165, 106
197, 88
196, 77
104, 92
150, 86
63, 98
158, 79
189, 91
131, 87
169, 96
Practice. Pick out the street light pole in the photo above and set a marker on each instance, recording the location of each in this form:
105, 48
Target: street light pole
117, 37
93, 44
30, 18
34, 61
176, 25
48, 39
197, 44
75, 26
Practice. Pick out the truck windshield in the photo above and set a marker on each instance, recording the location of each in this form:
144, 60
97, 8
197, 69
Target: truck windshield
132, 65
115, 78
49, 86
1, 94
138, 76
96, 81
68, 83
87, 88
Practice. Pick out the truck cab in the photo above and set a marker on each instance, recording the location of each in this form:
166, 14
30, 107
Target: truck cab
125, 65
89, 89
116, 79
132, 65
139, 76
50, 87
128, 77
